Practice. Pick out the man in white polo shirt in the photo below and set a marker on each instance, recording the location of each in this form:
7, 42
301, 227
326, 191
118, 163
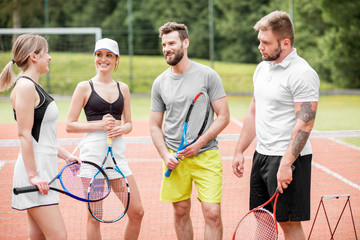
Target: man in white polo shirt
281, 117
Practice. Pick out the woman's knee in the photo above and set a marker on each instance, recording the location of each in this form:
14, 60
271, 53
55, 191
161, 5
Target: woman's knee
136, 214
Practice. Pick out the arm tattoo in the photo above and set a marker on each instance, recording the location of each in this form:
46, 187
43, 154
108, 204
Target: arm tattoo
305, 113
299, 142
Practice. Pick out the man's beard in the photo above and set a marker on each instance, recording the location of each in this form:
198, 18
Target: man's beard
178, 55
274, 56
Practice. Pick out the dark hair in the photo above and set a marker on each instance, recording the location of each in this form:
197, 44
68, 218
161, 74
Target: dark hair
279, 23
173, 26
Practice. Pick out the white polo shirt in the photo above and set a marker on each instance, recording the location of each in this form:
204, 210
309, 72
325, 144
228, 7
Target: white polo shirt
276, 88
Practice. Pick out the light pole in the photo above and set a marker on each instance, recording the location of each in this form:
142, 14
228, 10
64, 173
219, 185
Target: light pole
211, 32
46, 25
130, 43
291, 10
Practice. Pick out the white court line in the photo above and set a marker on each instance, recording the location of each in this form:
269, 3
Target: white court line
2, 163
237, 122
233, 137
336, 175
318, 165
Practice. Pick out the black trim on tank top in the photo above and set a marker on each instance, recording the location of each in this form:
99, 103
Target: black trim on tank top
40, 110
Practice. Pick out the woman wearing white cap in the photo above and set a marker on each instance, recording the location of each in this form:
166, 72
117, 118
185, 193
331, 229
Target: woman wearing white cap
106, 104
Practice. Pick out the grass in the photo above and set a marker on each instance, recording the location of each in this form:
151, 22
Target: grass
334, 112
68, 69
338, 113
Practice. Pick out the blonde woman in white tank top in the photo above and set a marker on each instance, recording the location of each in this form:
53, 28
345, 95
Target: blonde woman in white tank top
36, 114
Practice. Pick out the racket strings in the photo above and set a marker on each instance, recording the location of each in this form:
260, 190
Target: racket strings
258, 225
85, 181
114, 206
197, 117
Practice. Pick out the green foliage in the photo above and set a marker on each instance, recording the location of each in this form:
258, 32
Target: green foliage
309, 26
340, 43
326, 31
327, 37
238, 40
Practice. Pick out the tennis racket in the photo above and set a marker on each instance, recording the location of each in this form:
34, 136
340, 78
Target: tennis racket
115, 206
195, 122
86, 182
259, 223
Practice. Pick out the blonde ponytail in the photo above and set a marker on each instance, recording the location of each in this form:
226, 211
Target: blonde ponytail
7, 77
24, 45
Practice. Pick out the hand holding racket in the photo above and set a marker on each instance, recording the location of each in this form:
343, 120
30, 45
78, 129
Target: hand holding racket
195, 123
284, 177
86, 182
108, 122
115, 206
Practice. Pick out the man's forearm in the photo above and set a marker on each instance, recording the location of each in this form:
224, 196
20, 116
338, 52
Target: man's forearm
159, 142
247, 134
305, 118
215, 128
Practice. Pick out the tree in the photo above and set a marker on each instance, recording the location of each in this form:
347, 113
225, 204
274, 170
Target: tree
309, 28
340, 44
326, 31
194, 14
236, 38
16, 14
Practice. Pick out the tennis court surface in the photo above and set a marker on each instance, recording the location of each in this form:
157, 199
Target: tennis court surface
335, 171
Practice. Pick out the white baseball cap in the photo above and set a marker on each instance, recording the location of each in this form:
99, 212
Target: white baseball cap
108, 44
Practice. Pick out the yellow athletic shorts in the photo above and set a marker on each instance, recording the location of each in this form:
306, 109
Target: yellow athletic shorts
206, 172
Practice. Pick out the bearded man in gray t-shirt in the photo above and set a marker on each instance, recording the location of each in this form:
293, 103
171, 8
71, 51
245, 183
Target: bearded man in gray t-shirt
171, 95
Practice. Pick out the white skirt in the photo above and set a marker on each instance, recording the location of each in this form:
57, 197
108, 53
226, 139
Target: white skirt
93, 148
46, 165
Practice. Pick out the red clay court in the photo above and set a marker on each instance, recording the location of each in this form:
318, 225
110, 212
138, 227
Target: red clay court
335, 172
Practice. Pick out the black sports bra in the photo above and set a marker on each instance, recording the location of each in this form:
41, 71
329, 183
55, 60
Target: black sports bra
96, 107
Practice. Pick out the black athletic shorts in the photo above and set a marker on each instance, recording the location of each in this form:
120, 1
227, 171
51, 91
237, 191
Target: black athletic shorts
294, 203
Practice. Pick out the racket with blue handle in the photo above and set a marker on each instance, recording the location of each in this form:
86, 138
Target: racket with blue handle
195, 123
85, 182
114, 207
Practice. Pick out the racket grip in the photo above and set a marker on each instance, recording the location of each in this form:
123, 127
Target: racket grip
27, 189
168, 173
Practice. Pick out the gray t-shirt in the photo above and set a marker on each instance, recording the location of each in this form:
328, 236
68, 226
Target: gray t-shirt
173, 94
